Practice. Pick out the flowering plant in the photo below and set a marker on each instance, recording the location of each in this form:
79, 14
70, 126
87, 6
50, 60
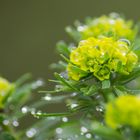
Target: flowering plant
98, 82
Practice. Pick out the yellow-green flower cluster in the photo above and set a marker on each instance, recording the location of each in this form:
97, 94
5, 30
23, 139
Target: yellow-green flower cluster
123, 111
101, 57
5, 88
109, 26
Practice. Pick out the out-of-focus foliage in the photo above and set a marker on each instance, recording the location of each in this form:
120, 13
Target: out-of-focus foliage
130, 113
17, 106
112, 25
6, 89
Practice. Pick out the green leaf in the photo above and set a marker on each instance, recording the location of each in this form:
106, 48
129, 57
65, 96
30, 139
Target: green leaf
60, 65
119, 91
42, 126
65, 58
119, 66
78, 70
23, 79
20, 95
63, 48
105, 84
124, 79
73, 33
105, 132
65, 82
6, 136
52, 114
89, 90
123, 90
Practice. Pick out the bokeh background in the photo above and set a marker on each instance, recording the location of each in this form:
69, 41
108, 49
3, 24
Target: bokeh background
29, 30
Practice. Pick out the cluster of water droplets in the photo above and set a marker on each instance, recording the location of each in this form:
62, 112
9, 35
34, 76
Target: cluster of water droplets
7, 122
26, 109
99, 108
32, 111
83, 132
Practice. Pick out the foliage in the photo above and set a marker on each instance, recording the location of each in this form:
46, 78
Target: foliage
16, 108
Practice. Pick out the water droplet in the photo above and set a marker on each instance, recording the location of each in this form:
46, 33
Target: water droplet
31, 133
98, 97
33, 111
82, 133
88, 135
80, 28
59, 130
74, 105
73, 94
6, 122
96, 137
84, 129
99, 108
48, 97
39, 113
37, 84
24, 109
15, 123
65, 119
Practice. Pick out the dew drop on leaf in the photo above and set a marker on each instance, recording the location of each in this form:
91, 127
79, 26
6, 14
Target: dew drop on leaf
88, 136
24, 109
48, 97
73, 105
31, 132
59, 130
6, 122
15, 123
84, 129
65, 119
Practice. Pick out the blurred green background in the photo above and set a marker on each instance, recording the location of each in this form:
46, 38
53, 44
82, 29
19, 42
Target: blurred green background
29, 30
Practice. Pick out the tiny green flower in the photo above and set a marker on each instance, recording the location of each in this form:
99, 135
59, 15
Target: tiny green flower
109, 26
5, 89
101, 57
123, 111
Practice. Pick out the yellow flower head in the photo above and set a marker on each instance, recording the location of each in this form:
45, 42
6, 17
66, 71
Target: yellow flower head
101, 57
5, 88
109, 26
123, 111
